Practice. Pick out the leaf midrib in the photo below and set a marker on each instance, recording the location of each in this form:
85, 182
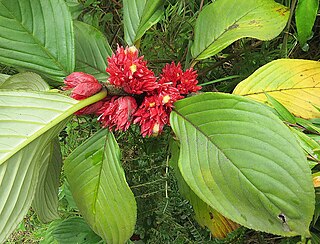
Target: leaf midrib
280, 90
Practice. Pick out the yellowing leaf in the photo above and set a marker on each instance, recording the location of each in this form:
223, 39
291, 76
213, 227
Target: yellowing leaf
316, 181
295, 83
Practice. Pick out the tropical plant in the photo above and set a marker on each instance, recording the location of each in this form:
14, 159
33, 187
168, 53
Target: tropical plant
236, 159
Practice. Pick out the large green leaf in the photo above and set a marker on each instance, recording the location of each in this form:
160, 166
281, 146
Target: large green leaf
75, 231
28, 122
92, 50
45, 202
306, 13
3, 78
204, 214
37, 35
25, 81
139, 16
99, 187
239, 158
225, 21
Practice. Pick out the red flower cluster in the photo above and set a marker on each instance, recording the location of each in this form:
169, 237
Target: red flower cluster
130, 72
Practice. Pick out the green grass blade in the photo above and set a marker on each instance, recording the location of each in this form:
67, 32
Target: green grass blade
284, 114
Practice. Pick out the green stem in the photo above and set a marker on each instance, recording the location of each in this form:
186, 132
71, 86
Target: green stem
83, 103
285, 39
194, 62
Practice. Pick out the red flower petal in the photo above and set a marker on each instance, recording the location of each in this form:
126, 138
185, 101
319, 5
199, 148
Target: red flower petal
117, 113
151, 116
186, 82
91, 109
130, 72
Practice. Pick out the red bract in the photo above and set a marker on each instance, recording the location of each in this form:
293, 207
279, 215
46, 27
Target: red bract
151, 116
117, 113
130, 72
167, 95
91, 109
171, 74
83, 85
188, 82
185, 82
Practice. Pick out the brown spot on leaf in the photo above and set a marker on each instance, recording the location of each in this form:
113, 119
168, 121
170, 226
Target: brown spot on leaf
282, 11
211, 215
316, 181
253, 22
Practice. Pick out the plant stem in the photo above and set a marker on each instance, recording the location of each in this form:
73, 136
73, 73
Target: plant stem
114, 91
201, 5
285, 39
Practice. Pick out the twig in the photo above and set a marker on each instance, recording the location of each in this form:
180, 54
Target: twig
285, 38
201, 5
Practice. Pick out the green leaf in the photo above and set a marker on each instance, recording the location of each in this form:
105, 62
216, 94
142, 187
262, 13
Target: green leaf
41, 111
204, 214
75, 8
25, 81
99, 187
37, 35
305, 14
284, 114
75, 231
92, 50
28, 121
308, 125
139, 16
48, 236
66, 193
241, 160
225, 21
45, 201
3, 78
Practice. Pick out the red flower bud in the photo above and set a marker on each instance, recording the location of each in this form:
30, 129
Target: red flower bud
83, 85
